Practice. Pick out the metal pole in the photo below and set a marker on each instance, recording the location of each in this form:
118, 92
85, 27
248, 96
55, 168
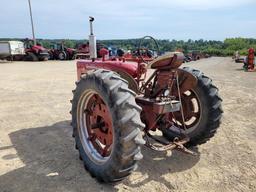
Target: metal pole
91, 19
32, 24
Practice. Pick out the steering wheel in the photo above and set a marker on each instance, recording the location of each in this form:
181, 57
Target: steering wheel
148, 52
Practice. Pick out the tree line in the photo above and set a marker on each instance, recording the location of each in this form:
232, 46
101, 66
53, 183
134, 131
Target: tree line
211, 47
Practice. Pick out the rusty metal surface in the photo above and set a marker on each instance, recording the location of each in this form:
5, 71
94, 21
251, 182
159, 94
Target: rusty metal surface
187, 81
159, 107
176, 144
132, 84
171, 60
191, 110
99, 125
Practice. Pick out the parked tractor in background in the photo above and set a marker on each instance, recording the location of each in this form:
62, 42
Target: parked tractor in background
249, 61
23, 51
237, 57
141, 54
59, 51
195, 55
35, 52
187, 58
83, 50
116, 108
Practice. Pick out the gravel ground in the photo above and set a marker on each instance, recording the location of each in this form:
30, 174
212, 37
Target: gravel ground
37, 151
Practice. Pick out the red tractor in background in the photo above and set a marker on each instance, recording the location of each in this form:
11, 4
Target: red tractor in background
83, 50
249, 62
35, 52
59, 51
141, 54
195, 55
116, 108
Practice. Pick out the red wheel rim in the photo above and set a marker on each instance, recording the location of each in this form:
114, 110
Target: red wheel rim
99, 125
191, 110
95, 127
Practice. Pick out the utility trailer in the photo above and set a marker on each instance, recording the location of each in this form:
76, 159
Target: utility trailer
10, 49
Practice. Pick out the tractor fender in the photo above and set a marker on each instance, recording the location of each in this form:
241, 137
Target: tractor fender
186, 79
132, 84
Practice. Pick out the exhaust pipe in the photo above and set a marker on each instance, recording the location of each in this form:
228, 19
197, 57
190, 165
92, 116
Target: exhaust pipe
92, 41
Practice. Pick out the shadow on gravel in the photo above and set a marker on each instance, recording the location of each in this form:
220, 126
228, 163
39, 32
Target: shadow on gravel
239, 69
155, 165
5, 61
51, 163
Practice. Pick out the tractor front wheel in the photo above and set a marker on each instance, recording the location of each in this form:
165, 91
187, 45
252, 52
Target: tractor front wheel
106, 125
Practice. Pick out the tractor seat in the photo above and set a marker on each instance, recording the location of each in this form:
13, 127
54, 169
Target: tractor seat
170, 60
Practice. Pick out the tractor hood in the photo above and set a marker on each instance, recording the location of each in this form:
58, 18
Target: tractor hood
38, 48
123, 66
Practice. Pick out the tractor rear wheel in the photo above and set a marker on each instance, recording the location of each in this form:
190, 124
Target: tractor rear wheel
62, 56
106, 125
44, 58
201, 109
31, 57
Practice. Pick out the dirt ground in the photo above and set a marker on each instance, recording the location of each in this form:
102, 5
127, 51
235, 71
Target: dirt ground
37, 151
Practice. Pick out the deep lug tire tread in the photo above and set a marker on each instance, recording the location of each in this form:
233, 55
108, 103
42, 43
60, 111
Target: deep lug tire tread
126, 123
214, 110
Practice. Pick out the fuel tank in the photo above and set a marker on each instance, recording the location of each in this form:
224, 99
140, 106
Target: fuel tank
115, 65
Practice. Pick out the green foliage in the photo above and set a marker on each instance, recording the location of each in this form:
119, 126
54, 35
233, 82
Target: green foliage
217, 48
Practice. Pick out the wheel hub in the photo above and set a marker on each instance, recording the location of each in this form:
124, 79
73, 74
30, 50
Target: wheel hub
96, 127
191, 110
99, 125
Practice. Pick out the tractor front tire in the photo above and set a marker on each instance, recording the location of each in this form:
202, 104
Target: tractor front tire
106, 125
210, 111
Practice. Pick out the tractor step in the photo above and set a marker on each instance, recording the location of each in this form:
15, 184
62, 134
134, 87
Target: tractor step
159, 107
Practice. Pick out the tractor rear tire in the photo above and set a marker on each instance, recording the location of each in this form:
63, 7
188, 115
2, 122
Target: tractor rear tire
62, 56
31, 57
45, 58
211, 111
125, 123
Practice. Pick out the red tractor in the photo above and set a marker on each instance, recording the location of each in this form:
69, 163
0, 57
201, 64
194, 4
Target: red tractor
249, 62
116, 109
83, 50
195, 55
58, 51
141, 54
35, 52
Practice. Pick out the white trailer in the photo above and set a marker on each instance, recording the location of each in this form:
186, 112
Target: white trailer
9, 49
